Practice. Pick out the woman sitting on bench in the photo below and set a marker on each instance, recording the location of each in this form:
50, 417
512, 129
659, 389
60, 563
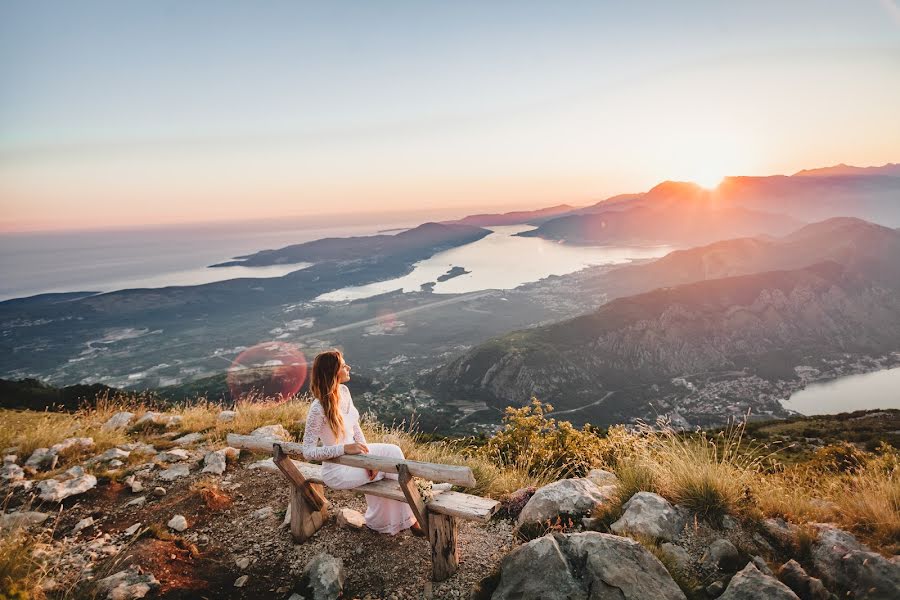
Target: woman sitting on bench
334, 419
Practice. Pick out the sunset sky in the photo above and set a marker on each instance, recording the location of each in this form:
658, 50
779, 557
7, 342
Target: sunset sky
125, 113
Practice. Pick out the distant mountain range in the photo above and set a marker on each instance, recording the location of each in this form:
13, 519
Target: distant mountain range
837, 290
516, 217
686, 214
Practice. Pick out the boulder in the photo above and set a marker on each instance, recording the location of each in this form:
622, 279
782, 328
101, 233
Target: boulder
109, 455
807, 588
127, 585
149, 417
324, 576
564, 498
24, 518
846, 565
178, 523
41, 458
72, 473
602, 478
721, 554
349, 518
750, 584
781, 532
266, 464
53, 490
275, 432
651, 515
677, 556
81, 443
226, 416
581, 566
175, 472
119, 420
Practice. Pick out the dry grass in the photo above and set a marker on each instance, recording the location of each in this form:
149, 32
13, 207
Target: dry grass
20, 572
213, 496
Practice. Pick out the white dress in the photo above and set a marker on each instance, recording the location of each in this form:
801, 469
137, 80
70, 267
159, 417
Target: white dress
383, 515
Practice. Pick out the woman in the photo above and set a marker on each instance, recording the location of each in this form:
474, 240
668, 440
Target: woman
333, 419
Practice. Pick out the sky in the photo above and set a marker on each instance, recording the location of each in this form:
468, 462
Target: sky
135, 113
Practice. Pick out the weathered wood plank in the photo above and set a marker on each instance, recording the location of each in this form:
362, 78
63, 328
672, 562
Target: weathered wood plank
442, 533
467, 506
315, 498
413, 497
305, 521
457, 475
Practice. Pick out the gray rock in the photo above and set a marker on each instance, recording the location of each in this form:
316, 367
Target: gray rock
41, 458
139, 448
24, 518
241, 581
651, 515
137, 502
750, 584
677, 555
10, 459
81, 443
159, 492
325, 577
178, 523
127, 585
781, 532
12, 472
189, 438
115, 463
602, 478
807, 588
72, 473
267, 464
760, 564
721, 554
119, 420
174, 472
86, 522
263, 513
242, 563
277, 432
173, 455
581, 566
215, 462
132, 530
349, 518
845, 564
109, 455
566, 498
52, 490
226, 416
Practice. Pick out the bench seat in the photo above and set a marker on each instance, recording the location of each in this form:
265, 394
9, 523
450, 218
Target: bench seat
454, 504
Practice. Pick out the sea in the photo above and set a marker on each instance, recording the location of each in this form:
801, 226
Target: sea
876, 390
103, 261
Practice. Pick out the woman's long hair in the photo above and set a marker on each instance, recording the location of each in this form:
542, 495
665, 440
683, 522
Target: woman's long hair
324, 385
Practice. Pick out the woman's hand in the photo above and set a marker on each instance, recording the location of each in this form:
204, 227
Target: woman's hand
356, 448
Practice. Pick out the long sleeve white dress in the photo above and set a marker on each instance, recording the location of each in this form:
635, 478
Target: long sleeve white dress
383, 515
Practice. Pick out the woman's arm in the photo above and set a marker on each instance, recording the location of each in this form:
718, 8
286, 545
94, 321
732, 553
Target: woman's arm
358, 436
315, 421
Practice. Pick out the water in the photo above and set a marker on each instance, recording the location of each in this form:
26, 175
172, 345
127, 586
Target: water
37, 263
879, 389
499, 261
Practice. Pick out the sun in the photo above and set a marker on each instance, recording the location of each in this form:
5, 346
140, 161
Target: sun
708, 181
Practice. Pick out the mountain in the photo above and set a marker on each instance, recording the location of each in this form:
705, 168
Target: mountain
644, 341
433, 236
516, 217
685, 214
892, 169
828, 288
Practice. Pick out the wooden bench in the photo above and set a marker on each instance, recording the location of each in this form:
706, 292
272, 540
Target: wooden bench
437, 516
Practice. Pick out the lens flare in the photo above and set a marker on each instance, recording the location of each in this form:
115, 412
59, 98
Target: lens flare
267, 369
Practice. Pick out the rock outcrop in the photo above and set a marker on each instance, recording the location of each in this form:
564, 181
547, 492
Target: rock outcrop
847, 565
579, 566
751, 584
566, 498
650, 515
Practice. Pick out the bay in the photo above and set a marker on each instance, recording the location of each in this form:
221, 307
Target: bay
876, 390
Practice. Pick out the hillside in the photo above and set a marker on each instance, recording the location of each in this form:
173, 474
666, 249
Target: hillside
764, 323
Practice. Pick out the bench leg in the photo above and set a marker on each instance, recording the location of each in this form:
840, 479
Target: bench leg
305, 521
444, 555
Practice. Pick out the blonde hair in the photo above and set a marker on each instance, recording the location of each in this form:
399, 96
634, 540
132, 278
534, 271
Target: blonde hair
325, 385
